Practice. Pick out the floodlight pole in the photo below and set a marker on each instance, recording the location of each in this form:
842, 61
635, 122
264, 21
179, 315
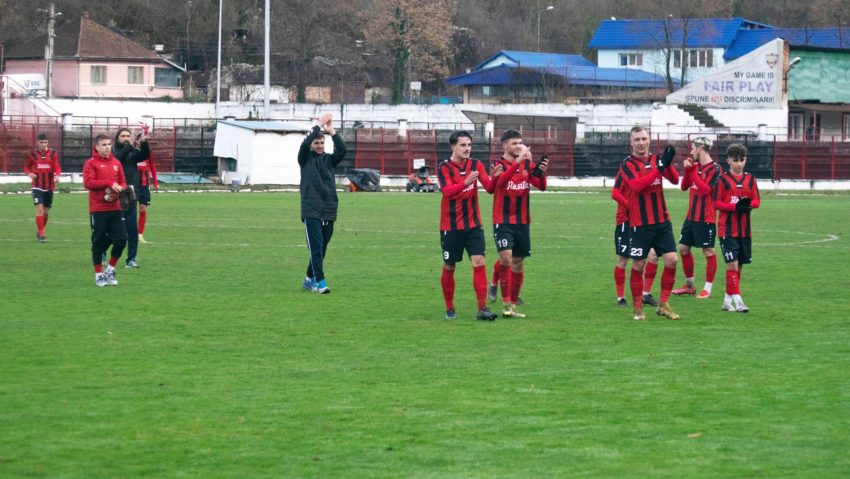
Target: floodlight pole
266, 80
218, 68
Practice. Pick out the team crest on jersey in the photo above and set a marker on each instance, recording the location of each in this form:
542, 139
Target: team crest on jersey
114, 167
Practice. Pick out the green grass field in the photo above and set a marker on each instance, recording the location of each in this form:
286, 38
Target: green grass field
210, 361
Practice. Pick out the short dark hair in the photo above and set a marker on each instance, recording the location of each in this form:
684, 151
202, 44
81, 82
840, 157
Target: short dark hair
100, 138
510, 135
456, 136
736, 150
42, 136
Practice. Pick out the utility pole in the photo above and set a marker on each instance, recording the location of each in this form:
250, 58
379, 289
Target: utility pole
48, 56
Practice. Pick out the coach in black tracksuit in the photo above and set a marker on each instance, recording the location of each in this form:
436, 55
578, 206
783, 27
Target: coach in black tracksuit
319, 201
129, 155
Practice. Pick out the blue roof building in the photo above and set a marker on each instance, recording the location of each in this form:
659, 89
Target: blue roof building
529, 77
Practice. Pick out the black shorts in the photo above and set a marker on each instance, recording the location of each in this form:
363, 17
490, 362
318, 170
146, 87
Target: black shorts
737, 249
621, 239
516, 238
698, 233
644, 238
144, 195
454, 242
42, 197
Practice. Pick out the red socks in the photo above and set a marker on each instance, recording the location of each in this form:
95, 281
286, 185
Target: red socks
710, 268
143, 218
688, 265
505, 277
479, 282
40, 222
636, 283
447, 281
733, 285
649, 272
516, 285
668, 278
620, 281
98, 268
496, 268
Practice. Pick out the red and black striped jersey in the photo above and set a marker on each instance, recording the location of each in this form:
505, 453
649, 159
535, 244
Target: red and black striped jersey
147, 171
730, 189
701, 182
459, 208
44, 164
646, 194
620, 194
511, 199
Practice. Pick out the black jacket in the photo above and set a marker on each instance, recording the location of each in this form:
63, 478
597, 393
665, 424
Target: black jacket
318, 186
129, 156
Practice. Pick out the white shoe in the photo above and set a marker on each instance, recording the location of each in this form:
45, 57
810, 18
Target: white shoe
741, 307
110, 278
728, 304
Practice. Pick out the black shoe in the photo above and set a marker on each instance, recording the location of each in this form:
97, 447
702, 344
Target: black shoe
41, 238
622, 302
450, 314
649, 300
486, 315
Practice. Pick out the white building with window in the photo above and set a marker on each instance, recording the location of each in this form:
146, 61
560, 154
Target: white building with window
698, 44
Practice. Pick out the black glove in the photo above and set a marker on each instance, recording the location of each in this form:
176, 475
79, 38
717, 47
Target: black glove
127, 198
666, 158
743, 205
537, 171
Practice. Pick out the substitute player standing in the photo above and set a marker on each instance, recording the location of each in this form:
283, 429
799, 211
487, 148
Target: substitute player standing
512, 215
737, 195
103, 176
42, 167
648, 218
699, 229
460, 221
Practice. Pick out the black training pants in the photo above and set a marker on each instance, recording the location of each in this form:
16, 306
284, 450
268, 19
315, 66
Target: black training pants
107, 227
318, 236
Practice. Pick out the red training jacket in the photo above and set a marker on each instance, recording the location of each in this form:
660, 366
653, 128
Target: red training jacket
100, 173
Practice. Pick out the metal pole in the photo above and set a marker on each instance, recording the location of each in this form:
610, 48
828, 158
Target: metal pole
539, 12
266, 80
218, 68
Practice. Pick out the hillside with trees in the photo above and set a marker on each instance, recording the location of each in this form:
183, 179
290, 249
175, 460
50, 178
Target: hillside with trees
383, 42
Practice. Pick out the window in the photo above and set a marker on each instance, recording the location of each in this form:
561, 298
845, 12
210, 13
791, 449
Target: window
694, 58
135, 75
98, 75
167, 77
631, 59
795, 126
